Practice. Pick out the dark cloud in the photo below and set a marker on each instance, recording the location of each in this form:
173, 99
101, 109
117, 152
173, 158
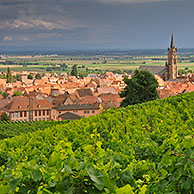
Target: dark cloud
96, 23
14, 2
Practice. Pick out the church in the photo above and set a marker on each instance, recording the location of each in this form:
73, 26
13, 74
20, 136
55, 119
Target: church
170, 70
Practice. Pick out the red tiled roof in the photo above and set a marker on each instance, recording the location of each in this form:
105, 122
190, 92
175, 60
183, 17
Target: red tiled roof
88, 100
22, 104
71, 85
107, 90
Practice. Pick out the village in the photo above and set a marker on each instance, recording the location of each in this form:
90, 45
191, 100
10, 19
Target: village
64, 97
31, 96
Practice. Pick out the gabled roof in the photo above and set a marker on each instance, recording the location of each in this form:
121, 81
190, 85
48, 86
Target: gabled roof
155, 70
84, 92
70, 85
108, 105
23, 103
58, 100
88, 100
70, 116
4, 102
106, 90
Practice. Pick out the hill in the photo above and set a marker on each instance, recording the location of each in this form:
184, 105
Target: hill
145, 148
11, 129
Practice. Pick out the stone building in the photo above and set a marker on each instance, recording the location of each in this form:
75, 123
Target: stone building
20, 108
83, 110
171, 66
170, 70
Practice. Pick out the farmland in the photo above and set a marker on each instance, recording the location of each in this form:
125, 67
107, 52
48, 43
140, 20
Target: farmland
88, 63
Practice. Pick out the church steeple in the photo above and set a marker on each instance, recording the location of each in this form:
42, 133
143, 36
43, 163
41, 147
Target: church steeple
172, 42
171, 67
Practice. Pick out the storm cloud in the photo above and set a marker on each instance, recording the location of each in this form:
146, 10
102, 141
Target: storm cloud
73, 24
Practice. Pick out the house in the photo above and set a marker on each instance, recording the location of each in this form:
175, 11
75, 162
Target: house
54, 92
34, 94
88, 100
92, 85
155, 70
23, 76
109, 74
53, 80
28, 109
63, 99
106, 90
43, 80
92, 75
72, 79
3, 82
109, 100
61, 80
83, 110
83, 92
71, 87
4, 102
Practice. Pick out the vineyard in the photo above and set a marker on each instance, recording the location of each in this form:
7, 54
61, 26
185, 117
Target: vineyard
9, 129
145, 148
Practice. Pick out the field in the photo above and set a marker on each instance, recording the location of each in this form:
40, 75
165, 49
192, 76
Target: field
141, 149
92, 64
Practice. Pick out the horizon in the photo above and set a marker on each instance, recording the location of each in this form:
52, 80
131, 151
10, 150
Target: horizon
96, 52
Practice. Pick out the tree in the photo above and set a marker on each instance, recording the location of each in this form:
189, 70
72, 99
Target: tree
140, 88
17, 77
17, 93
38, 76
9, 76
74, 70
63, 65
3, 93
30, 76
4, 117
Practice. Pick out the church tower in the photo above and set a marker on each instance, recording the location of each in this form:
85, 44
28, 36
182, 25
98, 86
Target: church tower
171, 66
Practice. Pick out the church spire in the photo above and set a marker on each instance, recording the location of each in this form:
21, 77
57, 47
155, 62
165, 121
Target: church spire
172, 70
172, 42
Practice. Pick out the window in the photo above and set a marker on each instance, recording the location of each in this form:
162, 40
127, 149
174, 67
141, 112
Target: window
85, 111
25, 114
88, 111
36, 113
93, 111
21, 114
59, 113
43, 112
47, 112
12, 114
16, 114
39, 112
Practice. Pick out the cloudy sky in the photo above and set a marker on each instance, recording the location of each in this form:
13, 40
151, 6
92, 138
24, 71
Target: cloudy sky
96, 24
